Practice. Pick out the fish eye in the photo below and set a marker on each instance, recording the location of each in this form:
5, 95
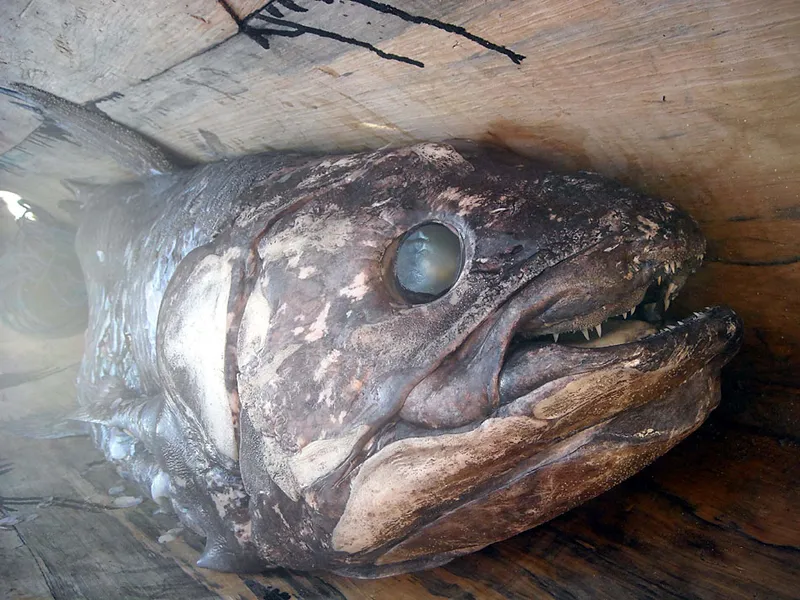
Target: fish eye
427, 262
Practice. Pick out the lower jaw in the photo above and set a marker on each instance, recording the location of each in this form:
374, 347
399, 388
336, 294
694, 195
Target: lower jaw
555, 480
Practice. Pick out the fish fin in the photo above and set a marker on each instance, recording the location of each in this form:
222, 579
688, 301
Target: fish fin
95, 131
46, 426
219, 557
8, 380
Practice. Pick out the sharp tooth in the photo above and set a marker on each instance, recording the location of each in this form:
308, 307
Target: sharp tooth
555, 337
625, 315
599, 330
659, 280
585, 334
666, 303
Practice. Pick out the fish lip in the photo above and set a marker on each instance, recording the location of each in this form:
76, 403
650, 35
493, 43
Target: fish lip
713, 334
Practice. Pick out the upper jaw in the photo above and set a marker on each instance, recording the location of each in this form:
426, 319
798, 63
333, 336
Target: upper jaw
612, 279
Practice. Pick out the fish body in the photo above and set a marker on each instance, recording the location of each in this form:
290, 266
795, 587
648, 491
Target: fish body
369, 363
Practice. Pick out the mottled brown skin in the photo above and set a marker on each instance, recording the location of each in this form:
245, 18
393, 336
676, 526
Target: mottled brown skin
252, 363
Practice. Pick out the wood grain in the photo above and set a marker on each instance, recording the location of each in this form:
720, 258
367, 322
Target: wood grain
697, 102
724, 528
85, 49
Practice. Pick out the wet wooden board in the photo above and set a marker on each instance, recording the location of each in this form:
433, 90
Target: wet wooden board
86, 49
694, 102
715, 518
725, 528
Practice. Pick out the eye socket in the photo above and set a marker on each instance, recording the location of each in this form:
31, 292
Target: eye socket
427, 262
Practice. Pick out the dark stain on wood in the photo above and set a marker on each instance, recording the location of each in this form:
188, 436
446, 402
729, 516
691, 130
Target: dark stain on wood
270, 21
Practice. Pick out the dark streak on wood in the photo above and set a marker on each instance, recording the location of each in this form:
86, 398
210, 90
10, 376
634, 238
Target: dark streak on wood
261, 36
272, 15
450, 28
232, 13
788, 260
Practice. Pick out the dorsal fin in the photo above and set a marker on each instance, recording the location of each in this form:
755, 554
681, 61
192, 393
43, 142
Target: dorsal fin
90, 128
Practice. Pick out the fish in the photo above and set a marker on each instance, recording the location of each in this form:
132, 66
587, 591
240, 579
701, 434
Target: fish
374, 363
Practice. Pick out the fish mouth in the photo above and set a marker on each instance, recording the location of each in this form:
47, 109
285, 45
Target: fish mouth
617, 307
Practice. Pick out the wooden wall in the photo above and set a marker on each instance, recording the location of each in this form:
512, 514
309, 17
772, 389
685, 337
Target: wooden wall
698, 102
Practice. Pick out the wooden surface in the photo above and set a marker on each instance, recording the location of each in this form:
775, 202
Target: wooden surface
715, 518
697, 102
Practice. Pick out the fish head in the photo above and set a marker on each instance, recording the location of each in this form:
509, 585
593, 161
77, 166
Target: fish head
420, 367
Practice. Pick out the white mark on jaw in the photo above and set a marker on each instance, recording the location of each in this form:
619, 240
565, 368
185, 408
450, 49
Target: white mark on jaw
318, 329
357, 289
646, 433
306, 272
650, 229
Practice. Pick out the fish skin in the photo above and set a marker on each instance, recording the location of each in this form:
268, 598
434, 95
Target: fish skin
250, 363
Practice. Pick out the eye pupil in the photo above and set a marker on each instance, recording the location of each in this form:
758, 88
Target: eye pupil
428, 262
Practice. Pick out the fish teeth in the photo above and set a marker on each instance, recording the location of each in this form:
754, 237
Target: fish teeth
599, 330
555, 337
585, 332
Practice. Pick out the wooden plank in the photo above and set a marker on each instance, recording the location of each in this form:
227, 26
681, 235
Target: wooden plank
20, 575
109, 558
82, 50
723, 528
85, 49
713, 518
691, 102
242, 8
